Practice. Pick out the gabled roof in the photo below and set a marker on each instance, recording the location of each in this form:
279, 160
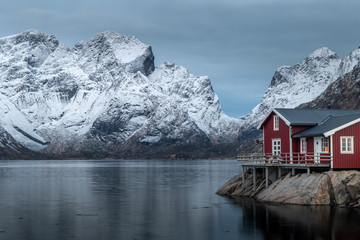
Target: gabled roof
331, 125
306, 117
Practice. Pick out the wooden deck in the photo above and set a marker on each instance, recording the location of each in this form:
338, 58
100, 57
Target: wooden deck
281, 163
285, 160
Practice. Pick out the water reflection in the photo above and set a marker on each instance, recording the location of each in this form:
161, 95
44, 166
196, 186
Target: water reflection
299, 222
114, 200
165, 200
154, 199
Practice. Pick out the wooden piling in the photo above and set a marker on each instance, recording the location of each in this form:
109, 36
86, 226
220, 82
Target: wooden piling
266, 177
254, 178
243, 178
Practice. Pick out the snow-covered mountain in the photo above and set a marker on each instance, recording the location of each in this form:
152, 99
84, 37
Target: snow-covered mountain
303, 82
104, 95
344, 93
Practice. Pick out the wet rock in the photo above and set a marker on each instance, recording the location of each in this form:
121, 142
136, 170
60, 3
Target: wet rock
230, 186
353, 187
337, 180
235, 186
327, 188
299, 189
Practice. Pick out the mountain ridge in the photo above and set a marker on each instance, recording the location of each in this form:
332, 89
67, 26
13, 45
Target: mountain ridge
105, 97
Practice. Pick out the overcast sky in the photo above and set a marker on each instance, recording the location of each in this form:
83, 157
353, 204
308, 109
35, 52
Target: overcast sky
239, 44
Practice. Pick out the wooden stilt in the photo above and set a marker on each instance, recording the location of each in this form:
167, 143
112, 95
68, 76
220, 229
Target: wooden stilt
267, 177
254, 178
308, 171
279, 172
243, 178
293, 172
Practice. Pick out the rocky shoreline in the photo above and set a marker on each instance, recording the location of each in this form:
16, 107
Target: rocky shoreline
340, 188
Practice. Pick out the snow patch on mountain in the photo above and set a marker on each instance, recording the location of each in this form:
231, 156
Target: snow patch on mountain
16, 124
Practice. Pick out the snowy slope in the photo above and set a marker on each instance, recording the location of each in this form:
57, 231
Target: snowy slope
303, 82
106, 90
344, 93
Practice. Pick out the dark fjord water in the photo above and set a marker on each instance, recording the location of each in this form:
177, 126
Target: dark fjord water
149, 200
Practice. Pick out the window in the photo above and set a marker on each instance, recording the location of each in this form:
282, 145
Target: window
347, 144
276, 123
276, 146
303, 145
324, 144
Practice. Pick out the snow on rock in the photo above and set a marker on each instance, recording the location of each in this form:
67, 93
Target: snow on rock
198, 99
106, 89
16, 124
303, 82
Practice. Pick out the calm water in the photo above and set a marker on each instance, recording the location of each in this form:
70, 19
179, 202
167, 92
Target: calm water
149, 200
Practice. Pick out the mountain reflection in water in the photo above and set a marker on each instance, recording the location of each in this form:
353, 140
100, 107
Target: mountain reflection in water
300, 222
149, 199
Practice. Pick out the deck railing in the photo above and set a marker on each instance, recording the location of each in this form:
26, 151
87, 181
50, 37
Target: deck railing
285, 158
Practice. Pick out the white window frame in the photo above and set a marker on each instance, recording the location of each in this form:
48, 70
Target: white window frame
303, 147
275, 151
348, 139
276, 122
323, 145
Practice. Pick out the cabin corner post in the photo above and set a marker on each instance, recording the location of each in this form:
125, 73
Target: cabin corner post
331, 152
290, 142
263, 145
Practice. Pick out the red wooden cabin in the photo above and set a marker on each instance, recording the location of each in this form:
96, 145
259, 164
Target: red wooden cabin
313, 136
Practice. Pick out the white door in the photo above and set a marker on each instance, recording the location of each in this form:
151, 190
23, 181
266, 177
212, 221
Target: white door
317, 149
276, 146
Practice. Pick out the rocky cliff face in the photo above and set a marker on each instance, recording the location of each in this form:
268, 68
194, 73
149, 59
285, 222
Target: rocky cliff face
303, 82
104, 97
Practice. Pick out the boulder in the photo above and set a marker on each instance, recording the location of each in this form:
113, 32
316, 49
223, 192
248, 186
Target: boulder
353, 187
337, 180
230, 186
299, 189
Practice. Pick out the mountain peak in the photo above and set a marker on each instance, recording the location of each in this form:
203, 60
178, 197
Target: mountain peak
32, 31
33, 37
323, 52
115, 52
114, 37
355, 52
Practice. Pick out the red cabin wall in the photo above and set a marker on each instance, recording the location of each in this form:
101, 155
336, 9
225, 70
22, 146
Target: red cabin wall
269, 134
347, 161
297, 129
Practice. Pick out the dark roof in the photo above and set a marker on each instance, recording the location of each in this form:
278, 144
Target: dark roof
310, 117
331, 123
